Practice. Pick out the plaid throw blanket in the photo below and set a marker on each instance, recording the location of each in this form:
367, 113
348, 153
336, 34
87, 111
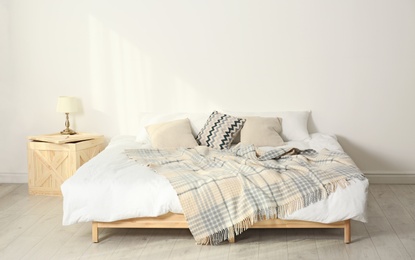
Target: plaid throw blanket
224, 192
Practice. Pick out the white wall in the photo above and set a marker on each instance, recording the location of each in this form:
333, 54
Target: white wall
11, 155
351, 62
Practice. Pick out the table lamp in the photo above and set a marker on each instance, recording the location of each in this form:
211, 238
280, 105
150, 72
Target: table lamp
67, 105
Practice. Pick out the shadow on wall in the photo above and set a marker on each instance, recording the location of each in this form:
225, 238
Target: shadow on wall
127, 79
364, 157
311, 126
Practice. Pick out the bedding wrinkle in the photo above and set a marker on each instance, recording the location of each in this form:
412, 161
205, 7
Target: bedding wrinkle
111, 187
232, 192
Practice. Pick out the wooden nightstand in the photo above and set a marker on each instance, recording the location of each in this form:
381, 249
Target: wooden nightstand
54, 158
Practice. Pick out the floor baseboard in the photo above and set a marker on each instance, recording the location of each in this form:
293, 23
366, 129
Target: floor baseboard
391, 178
13, 177
375, 178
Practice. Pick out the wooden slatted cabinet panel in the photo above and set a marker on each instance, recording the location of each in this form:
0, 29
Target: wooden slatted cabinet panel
54, 158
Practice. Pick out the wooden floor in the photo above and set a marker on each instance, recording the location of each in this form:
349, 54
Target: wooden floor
30, 228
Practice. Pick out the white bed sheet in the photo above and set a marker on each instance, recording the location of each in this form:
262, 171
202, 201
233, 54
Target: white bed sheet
111, 187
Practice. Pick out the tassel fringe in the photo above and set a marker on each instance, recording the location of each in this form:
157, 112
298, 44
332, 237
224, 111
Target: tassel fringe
273, 213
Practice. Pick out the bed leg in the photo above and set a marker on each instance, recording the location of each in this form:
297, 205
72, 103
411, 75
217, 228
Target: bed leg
347, 232
95, 234
231, 240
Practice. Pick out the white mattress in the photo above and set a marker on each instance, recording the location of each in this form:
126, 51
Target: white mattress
111, 187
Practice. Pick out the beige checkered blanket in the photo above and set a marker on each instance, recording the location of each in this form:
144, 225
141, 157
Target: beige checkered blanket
223, 193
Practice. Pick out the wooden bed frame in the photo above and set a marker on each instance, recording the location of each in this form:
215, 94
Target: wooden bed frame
171, 220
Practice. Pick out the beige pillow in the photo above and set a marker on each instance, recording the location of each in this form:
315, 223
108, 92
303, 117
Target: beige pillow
262, 131
172, 134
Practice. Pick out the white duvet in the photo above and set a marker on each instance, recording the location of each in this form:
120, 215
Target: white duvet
111, 187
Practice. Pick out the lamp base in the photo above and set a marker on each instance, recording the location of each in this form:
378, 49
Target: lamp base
68, 131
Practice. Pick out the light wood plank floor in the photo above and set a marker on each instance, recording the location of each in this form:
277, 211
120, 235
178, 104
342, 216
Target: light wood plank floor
30, 228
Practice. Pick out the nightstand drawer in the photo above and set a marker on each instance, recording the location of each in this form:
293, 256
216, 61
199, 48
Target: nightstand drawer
50, 164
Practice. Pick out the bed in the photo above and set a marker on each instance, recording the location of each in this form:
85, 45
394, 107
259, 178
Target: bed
113, 191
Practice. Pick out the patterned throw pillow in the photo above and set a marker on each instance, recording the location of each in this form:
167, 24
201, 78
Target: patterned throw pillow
219, 130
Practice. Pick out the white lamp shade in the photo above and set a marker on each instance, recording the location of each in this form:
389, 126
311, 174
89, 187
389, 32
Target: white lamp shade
67, 105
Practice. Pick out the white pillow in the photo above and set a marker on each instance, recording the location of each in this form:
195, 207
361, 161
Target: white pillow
172, 134
294, 123
197, 121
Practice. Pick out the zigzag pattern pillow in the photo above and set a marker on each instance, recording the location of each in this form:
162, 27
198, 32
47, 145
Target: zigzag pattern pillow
219, 130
